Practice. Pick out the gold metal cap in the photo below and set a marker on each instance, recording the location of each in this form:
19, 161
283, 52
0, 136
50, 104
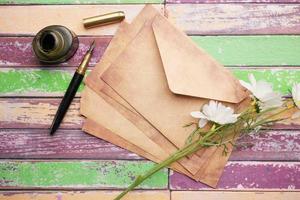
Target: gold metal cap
105, 19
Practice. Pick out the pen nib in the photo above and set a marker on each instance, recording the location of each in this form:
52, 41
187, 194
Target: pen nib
92, 46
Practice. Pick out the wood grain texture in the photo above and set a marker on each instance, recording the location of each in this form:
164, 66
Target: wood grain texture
18, 52
36, 113
46, 81
68, 144
68, 15
83, 195
229, 50
243, 176
99, 174
74, 144
196, 195
23, 2
227, 19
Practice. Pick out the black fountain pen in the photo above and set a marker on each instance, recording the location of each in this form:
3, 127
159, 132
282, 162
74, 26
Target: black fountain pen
72, 89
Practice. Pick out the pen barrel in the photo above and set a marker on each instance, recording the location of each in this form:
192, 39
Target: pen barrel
67, 99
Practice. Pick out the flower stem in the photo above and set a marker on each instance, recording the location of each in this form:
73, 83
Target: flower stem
187, 150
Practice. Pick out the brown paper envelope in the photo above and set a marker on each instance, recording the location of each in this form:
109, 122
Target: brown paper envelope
91, 98
98, 130
141, 62
118, 43
125, 129
194, 72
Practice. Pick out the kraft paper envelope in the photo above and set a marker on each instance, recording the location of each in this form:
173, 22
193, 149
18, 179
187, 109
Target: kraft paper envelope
138, 75
105, 131
215, 165
141, 62
124, 34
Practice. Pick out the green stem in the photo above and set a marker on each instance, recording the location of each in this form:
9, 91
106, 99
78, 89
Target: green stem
187, 150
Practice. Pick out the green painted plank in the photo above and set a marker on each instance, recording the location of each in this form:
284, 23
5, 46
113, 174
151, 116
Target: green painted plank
20, 81
77, 174
252, 50
49, 82
78, 1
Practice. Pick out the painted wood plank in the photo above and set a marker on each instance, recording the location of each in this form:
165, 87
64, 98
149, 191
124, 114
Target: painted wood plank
230, 50
18, 52
231, 1
24, 2
49, 82
244, 176
83, 195
196, 195
252, 50
68, 144
77, 174
227, 19
36, 113
68, 15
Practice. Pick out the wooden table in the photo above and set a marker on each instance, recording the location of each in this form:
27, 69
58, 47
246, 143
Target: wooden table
259, 37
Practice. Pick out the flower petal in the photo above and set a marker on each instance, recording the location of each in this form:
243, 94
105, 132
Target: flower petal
197, 114
246, 85
202, 123
252, 80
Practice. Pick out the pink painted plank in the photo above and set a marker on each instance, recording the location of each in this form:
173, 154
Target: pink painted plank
218, 19
231, 1
17, 51
36, 143
248, 176
71, 144
36, 113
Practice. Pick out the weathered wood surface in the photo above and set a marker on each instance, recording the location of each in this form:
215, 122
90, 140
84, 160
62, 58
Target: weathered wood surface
236, 18
37, 113
118, 174
18, 52
248, 176
210, 195
83, 195
25, 23
68, 144
101, 174
252, 50
46, 81
74, 144
16, 2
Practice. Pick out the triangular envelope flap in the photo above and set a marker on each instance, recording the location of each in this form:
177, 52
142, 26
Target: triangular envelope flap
190, 70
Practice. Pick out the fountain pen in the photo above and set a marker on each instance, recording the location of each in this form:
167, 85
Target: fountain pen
72, 89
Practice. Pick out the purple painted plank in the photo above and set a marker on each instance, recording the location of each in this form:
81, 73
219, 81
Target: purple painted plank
19, 143
268, 145
17, 51
248, 176
232, 1
64, 144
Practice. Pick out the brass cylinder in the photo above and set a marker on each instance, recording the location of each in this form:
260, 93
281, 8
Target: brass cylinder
100, 20
55, 44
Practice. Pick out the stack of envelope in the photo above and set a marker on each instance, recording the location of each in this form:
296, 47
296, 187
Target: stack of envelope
140, 95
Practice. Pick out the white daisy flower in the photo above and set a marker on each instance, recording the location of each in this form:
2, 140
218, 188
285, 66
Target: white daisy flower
296, 99
215, 112
263, 91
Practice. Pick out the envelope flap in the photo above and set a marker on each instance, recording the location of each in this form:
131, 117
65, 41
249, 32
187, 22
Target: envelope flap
190, 70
